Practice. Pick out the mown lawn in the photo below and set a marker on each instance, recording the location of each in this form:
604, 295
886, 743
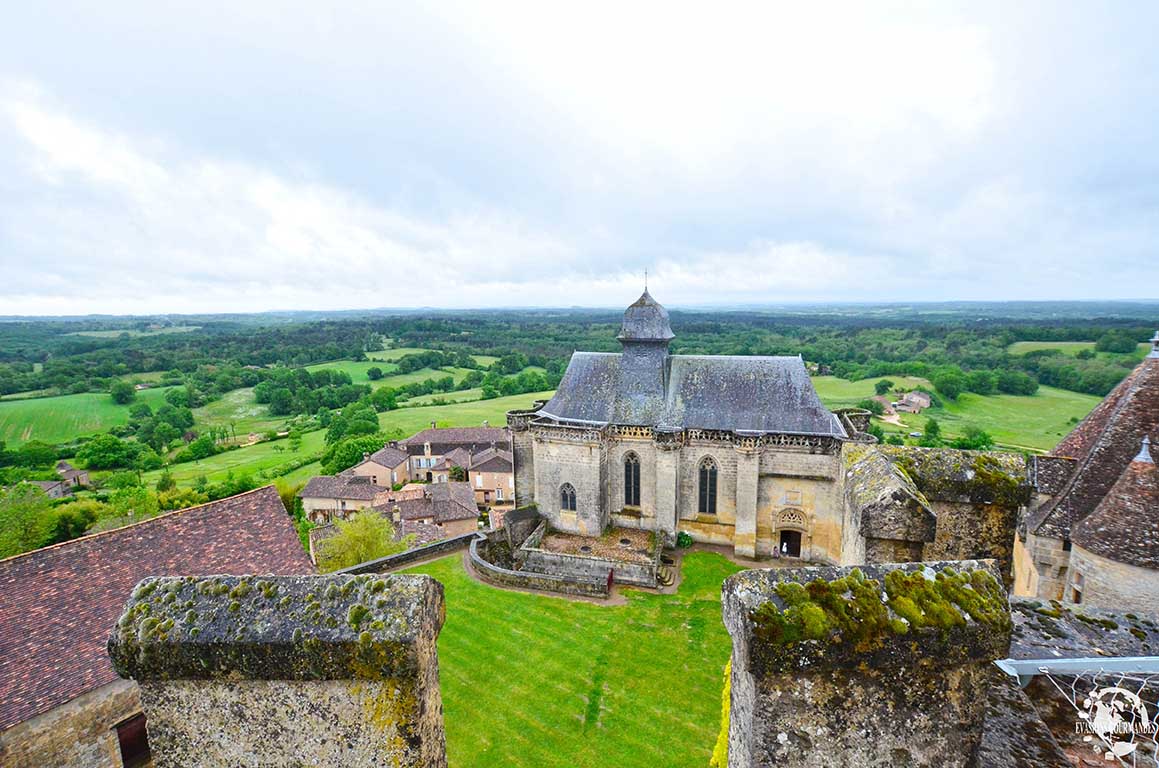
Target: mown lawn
541, 682
66, 417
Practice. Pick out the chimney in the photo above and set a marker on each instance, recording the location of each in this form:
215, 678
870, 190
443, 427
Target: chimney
220, 681
365, 456
812, 671
486, 423
433, 425
396, 514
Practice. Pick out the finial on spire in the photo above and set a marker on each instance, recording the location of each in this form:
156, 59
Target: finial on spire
1145, 454
1155, 345
646, 289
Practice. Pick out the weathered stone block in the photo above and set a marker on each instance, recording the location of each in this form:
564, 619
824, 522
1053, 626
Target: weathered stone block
874, 666
265, 671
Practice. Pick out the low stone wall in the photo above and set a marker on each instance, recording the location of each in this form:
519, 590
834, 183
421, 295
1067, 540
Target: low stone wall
589, 567
880, 665
327, 671
394, 562
504, 577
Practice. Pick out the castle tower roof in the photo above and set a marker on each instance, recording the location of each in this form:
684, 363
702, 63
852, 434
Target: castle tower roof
1125, 525
1101, 445
646, 320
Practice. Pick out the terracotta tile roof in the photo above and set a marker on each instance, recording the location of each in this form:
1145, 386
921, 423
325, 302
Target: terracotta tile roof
1103, 444
61, 602
1125, 525
456, 457
444, 439
441, 502
343, 486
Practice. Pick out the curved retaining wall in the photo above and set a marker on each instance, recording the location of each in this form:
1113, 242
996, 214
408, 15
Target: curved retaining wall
568, 585
391, 562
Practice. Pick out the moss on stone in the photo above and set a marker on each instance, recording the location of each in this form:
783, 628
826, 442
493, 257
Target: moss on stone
856, 610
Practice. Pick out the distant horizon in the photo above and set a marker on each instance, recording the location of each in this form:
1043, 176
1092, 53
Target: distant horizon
1142, 303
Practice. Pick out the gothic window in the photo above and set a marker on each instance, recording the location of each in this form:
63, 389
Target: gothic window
707, 505
567, 498
631, 480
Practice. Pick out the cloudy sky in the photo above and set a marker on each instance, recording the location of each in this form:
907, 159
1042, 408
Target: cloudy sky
240, 156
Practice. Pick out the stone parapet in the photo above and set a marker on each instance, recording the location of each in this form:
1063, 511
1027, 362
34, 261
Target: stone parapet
880, 665
337, 670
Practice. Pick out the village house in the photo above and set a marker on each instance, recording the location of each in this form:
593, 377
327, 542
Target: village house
428, 448
1092, 535
328, 496
387, 466
427, 512
490, 473
61, 704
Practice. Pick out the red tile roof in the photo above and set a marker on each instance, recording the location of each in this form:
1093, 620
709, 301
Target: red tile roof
1125, 525
60, 603
1103, 445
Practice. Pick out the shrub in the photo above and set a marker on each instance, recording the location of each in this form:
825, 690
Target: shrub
684, 540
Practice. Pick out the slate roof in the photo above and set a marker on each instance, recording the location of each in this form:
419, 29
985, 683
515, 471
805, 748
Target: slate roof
61, 602
389, 456
1125, 525
739, 393
646, 320
1102, 446
342, 486
492, 460
456, 457
444, 439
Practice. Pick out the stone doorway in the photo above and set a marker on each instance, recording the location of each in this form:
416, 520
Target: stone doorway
790, 544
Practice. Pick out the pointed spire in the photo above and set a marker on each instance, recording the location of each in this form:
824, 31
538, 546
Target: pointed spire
1145, 454
1155, 345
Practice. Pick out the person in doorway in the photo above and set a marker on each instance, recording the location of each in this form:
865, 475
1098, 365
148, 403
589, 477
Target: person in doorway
785, 548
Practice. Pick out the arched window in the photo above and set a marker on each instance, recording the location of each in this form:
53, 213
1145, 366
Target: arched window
631, 480
567, 498
707, 504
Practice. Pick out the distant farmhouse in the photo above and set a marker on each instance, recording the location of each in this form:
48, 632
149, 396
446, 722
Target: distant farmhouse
61, 704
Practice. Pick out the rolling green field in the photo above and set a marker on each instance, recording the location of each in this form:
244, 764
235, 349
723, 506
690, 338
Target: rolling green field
531, 681
63, 418
267, 456
1034, 423
252, 460
1065, 347
840, 393
358, 371
133, 333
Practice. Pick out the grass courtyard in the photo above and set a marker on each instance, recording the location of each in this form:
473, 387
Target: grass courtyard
537, 681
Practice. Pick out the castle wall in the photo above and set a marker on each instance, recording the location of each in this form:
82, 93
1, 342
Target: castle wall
579, 462
974, 531
1043, 568
1106, 583
79, 734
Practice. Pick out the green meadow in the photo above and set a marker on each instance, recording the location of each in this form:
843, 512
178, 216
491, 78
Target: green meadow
1070, 348
1034, 423
532, 681
66, 417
